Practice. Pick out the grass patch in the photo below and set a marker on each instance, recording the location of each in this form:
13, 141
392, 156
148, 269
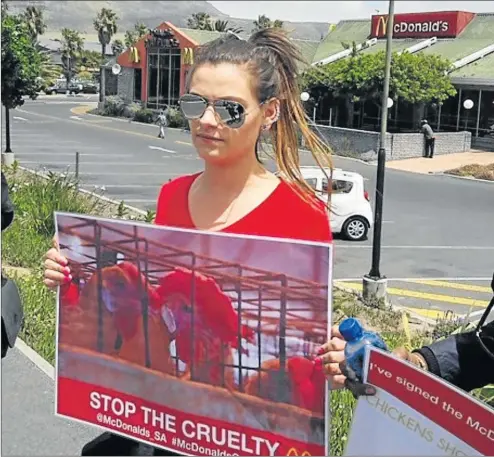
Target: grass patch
474, 171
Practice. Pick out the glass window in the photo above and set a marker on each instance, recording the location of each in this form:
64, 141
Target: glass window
340, 186
312, 182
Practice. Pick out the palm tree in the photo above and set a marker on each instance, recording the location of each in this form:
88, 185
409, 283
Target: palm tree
33, 16
106, 26
223, 26
141, 29
263, 22
200, 21
117, 47
72, 46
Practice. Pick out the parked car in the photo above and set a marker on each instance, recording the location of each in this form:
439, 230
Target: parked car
74, 88
351, 212
89, 87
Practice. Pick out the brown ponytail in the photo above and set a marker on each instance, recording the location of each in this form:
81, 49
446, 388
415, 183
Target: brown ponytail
273, 60
293, 117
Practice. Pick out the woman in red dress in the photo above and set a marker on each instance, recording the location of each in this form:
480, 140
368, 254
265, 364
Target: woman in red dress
237, 90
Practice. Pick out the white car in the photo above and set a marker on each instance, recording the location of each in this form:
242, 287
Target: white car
351, 212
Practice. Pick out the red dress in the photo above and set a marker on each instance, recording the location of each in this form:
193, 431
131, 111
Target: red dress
284, 214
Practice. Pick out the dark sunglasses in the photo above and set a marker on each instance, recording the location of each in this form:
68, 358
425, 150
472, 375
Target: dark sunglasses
230, 113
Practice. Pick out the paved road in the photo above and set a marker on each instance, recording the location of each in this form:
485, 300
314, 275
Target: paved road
29, 426
435, 227
437, 232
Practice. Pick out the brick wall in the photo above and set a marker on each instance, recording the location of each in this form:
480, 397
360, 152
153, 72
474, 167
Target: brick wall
126, 84
364, 145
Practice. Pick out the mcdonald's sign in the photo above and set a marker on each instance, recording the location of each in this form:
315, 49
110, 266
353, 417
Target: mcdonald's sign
188, 56
440, 24
294, 452
133, 55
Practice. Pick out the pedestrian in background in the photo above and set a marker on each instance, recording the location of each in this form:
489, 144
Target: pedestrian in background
163, 122
428, 137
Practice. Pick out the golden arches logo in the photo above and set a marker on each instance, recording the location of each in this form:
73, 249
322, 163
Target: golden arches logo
133, 54
188, 56
382, 22
294, 452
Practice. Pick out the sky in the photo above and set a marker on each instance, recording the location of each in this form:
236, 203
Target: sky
334, 11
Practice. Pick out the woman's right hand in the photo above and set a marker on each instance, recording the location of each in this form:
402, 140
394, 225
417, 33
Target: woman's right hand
57, 272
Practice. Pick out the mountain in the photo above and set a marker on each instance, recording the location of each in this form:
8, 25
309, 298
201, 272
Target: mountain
79, 15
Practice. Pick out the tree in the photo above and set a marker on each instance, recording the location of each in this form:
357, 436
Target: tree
117, 47
131, 36
199, 21
72, 47
21, 63
415, 78
33, 16
106, 26
263, 22
224, 26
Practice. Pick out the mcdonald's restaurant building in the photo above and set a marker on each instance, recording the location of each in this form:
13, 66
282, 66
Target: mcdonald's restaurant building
154, 70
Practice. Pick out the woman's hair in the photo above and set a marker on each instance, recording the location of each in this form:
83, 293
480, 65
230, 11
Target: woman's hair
273, 61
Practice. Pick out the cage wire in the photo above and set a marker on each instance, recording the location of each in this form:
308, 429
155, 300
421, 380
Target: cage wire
276, 305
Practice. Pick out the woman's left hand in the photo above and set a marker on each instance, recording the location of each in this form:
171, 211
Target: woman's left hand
330, 355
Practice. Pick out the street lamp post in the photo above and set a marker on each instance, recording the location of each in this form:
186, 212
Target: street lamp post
468, 105
374, 284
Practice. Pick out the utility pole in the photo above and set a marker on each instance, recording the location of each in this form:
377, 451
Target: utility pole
374, 284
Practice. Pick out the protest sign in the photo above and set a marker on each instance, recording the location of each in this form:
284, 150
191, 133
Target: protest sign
200, 343
417, 413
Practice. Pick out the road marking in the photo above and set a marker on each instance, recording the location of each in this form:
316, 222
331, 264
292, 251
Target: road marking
451, 285
76, 117
158, 148
72, 154
18, 118
184, 142
424, 295
432, 313
126, 164
442, 278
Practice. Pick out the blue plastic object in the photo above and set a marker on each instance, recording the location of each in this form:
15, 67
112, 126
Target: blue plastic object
357, 339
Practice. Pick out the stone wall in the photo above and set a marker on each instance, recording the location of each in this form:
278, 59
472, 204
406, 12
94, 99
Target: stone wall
364, 145
126, 84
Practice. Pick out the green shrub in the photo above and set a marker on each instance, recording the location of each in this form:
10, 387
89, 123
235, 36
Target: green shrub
36, 198
145, 115
176, 119
114, 106
38, 330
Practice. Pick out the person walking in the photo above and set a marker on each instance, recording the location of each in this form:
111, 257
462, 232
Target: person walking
428, 137
163, 122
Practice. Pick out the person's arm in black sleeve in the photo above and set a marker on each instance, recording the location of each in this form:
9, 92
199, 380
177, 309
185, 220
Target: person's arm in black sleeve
7, 206
461, 360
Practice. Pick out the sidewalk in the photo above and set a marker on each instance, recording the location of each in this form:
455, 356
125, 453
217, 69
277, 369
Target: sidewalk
442, 163
29, 425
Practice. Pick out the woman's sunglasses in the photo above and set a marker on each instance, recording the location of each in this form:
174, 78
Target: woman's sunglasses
229, 112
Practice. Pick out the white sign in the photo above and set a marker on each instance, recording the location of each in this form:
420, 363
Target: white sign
417, 413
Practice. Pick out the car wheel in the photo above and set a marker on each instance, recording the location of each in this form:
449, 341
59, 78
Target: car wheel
356, 229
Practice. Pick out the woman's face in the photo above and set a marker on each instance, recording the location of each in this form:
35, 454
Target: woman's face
214, 140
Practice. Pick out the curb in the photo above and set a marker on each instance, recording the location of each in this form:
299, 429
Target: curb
35, 358
467, 178
88, 192
129, 121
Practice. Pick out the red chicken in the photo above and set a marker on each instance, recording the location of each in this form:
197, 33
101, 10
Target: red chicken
303, 385
122, 316
207, 345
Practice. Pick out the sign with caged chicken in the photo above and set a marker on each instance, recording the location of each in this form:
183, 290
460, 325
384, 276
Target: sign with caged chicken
196, 342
